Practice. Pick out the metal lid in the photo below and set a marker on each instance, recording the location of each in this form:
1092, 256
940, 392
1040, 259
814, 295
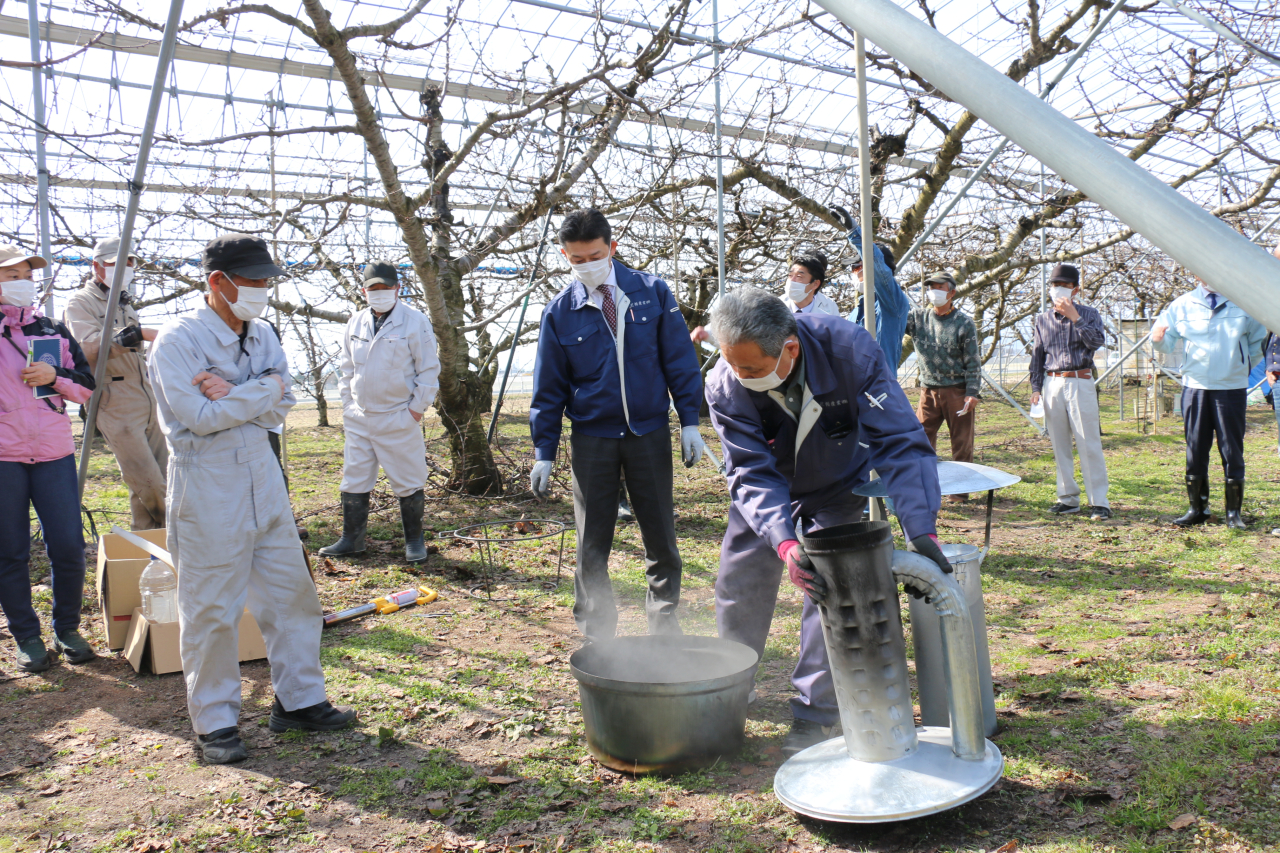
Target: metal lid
955, 478
823, 782
960, 553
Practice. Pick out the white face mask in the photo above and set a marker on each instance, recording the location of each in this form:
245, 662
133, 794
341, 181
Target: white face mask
1062, 293
381, 301
109, 271
593, 273
764, 383
797, 291
20, 293
250, 302
939, 297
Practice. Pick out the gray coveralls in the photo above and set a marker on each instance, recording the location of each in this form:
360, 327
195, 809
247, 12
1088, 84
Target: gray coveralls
231, 529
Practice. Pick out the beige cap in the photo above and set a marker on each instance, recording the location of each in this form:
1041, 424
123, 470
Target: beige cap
11, 254
107, 250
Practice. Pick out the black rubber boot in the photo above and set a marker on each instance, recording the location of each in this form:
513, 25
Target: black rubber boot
1198, 498
1233, 493
411, 520
355, 519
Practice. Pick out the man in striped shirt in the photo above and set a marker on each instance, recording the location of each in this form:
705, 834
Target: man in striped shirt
1064, 340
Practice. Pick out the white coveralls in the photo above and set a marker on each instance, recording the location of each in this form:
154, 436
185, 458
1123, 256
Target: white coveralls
385, 377
127, 411
231, 530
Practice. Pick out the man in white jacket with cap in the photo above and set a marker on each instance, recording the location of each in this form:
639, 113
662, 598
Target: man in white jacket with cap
390, 375
221, 382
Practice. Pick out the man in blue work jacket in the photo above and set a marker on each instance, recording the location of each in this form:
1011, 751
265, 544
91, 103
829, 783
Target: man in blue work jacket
805, 405
1222, 344
892, 306
613, 350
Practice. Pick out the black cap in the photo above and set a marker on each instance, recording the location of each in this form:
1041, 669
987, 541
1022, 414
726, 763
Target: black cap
381, 272
1066, 273
240, 254
942, 278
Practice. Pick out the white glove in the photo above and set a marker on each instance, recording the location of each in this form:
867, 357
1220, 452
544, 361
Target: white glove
691, 446
540, 478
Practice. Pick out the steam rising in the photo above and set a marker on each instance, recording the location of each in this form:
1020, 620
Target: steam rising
663, 660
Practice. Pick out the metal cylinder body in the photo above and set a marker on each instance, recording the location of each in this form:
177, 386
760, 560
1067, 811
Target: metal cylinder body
664, 704
865, 643
926, 632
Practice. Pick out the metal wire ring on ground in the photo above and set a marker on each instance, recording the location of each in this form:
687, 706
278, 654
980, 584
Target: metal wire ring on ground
560, 526
487, 543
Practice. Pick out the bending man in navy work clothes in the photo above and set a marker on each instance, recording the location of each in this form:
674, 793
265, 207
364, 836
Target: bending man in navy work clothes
612, 351
805, 406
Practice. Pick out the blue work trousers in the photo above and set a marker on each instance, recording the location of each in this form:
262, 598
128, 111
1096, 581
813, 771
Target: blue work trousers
51, 488
747, 593
1207, 415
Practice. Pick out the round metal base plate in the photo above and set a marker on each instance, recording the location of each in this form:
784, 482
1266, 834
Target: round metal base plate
823, 782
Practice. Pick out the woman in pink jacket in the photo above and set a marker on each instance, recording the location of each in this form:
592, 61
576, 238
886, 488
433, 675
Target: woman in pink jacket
38, 467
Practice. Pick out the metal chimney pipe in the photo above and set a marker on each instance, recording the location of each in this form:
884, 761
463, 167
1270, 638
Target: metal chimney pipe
926, 632
963, 698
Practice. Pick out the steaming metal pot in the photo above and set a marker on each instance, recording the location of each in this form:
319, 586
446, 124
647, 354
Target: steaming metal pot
665, 704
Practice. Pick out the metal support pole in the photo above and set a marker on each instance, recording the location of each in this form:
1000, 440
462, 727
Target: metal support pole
715, 35
136, 185
1012, 402
991, 158
1246, 274
1263, 230
864, 191
1225, 32
276, 222
1044, 283
42, 168
1131, 351
1121, 366
868, 246
515, 334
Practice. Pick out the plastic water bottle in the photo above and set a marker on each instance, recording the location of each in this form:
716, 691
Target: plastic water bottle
159, 588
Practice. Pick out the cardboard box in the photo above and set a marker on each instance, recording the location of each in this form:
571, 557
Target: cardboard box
153, 647
120, 565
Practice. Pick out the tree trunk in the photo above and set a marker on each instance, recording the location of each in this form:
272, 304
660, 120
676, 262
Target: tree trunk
474, 470
322, 405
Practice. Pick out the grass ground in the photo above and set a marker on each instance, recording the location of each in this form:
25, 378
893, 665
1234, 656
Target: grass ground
1135, 664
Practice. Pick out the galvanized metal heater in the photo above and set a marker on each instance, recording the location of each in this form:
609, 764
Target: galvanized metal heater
955, 478
883, 768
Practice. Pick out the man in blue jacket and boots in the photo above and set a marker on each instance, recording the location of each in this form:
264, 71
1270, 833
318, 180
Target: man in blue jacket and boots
805, 406
1222, 345
613, 352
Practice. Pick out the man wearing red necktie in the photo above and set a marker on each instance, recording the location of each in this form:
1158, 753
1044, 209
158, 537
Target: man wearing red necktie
614, 355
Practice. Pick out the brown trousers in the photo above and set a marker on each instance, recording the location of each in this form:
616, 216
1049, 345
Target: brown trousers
941, 404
